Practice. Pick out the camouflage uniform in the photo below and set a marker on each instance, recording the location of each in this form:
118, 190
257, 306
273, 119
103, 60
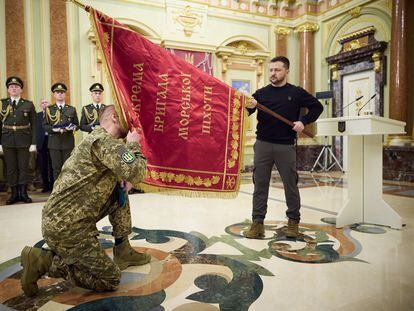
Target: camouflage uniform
85, 192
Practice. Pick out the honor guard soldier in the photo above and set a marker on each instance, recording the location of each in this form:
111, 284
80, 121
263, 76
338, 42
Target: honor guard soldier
60, 122
90, 113
18, 139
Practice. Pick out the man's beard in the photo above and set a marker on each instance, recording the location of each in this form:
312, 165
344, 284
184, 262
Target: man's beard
276, 80
122, 133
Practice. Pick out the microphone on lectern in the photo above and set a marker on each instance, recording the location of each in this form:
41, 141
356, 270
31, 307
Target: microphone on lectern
359, 110
355, 100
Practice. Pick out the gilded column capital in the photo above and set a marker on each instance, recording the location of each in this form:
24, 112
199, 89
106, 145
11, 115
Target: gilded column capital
279, 30
307, 27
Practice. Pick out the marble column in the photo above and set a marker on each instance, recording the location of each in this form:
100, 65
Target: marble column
59, 44
402, 67
15, 41
306, 59
306, 55
281, 34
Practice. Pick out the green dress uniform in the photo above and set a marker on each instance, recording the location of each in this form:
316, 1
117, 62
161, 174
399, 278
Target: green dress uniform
61, 140
90, 117
18, 120
85, 192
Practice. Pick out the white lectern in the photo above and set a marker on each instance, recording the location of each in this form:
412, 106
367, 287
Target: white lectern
365, 203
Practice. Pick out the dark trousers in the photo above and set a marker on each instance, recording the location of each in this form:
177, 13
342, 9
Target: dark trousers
58, 159
284, 157
16, 161
44, 163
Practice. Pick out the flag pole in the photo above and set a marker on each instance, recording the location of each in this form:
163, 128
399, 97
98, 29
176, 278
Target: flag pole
80, 4
281, 118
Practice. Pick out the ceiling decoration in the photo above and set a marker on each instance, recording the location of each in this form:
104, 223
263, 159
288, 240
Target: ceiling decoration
289, 9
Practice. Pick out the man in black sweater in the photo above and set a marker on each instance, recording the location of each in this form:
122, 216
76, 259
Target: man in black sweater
275, 143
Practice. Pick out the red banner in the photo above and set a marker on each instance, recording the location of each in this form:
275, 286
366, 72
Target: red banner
201, 60
192, 123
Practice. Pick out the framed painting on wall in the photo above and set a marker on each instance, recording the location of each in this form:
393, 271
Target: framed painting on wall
243, 86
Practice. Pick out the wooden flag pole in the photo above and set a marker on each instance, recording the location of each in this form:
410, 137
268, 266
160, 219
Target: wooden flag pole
281, 118
80, 4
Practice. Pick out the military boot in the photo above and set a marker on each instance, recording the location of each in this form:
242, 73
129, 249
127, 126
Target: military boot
256, 231
14, 197
125, 256
23, 196
35, 262
292, 230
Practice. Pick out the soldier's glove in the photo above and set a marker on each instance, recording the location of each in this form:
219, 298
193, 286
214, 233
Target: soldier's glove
32, 148
1, 149
55, 129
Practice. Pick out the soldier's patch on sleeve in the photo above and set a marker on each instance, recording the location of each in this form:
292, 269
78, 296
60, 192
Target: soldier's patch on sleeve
128, 157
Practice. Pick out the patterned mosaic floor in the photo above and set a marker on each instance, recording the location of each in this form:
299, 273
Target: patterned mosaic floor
201, 261
233, 282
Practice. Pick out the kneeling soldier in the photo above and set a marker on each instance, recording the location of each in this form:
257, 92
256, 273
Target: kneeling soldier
93, 184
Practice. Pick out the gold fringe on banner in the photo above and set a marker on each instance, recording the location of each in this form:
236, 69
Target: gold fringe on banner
187, 193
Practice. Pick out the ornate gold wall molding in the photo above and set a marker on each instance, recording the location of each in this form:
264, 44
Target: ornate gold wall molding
335, 72
280, 30
357, 33
307, 27
284, 9
188, 19
376, 57
355, 12
343, 33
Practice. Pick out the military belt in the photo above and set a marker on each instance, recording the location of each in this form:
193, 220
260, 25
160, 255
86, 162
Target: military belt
16, 127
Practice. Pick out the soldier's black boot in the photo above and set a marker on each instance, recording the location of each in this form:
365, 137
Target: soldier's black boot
35, 262
23, 194
14, 197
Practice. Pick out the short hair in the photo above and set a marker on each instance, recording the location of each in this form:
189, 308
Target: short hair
281, 59
105, 112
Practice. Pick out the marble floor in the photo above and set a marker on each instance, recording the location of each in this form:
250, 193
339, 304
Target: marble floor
200, 260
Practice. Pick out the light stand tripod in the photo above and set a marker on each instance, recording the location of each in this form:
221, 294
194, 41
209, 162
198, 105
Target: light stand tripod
326, 151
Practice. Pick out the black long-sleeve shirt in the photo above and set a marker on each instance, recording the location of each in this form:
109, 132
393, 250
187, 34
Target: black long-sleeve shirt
287, 101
